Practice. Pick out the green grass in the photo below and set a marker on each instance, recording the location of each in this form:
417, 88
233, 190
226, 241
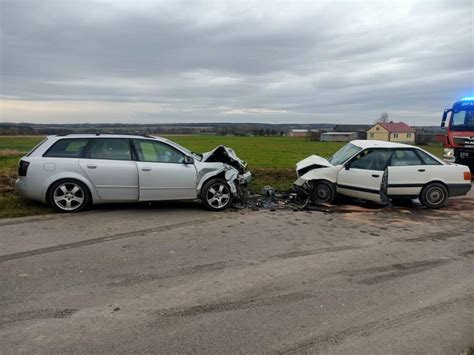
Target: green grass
262, 152
271, 160
19, 143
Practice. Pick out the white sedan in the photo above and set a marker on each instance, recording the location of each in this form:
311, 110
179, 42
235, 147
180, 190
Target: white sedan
377, 170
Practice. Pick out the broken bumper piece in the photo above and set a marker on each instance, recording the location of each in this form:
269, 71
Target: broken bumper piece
245, 178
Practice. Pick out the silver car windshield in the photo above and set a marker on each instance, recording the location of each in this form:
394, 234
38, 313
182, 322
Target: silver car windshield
346, 152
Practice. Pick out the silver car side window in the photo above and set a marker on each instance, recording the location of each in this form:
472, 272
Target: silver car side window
157, 152
110, 149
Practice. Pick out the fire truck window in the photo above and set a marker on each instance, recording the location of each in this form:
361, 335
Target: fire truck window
462, 118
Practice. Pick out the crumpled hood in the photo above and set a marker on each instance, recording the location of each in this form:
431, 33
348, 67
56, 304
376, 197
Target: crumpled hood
224, 155
313, 160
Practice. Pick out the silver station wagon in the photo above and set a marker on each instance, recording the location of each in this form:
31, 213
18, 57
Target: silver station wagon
71, 172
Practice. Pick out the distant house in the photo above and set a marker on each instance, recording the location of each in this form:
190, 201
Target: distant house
302, 133
338, 136
298, 133
361, 129
392, 132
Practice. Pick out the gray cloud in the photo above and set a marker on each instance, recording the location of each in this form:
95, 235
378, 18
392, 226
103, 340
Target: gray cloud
150, 61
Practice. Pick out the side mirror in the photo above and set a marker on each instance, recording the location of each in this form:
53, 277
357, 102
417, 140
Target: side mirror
188, 160
445, 116
347, 166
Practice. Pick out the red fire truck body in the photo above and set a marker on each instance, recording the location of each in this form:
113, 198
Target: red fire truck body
459, 138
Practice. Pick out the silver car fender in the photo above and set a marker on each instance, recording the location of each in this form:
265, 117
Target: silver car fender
70, 175
230, 175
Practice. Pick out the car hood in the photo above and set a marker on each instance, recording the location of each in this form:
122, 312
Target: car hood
224, 155
313, 160
310, 163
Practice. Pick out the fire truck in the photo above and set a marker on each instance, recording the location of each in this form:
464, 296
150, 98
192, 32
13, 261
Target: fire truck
459, 138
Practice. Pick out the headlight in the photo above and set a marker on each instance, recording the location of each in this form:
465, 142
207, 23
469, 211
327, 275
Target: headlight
448, 153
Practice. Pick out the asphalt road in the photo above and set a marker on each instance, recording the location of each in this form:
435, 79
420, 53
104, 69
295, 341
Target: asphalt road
168, 279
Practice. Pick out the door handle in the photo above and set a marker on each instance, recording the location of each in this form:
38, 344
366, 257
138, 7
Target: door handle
421, 170
91, 166
375, 175
146, 169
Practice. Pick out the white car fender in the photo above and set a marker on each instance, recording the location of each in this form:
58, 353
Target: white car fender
329, 174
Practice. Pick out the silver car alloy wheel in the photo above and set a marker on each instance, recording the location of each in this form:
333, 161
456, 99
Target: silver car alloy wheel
68, 196
218, 196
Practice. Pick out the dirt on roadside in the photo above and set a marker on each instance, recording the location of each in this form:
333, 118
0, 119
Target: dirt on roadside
7, 184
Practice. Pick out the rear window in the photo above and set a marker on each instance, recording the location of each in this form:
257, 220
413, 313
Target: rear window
67, 148
427, 159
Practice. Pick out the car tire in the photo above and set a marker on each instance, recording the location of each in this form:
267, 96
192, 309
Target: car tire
69, 196
216, 195
323, 192
434, 195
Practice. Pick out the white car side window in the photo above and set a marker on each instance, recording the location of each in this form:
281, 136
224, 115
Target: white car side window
405, 157
371, 159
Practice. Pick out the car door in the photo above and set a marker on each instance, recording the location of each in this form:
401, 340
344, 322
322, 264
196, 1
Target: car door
408, 171
163, 174
109, 165
362, 176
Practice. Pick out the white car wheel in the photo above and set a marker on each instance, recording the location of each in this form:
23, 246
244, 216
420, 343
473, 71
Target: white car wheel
323, 192
434, 195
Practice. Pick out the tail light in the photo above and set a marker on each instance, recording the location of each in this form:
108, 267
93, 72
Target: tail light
467, 175
23, 167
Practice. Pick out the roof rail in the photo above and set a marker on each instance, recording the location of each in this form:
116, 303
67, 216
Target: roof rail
110, 134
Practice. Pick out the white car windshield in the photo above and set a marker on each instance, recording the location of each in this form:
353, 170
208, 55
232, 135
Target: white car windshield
346, 152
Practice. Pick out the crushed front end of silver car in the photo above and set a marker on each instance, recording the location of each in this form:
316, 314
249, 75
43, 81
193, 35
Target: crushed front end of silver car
233, 170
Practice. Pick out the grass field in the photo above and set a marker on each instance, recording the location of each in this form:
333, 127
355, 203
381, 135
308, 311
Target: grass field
271, 160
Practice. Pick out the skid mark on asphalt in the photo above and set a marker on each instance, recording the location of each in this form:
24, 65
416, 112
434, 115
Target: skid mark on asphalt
51, 217
134, 279
37, 314
131, 280
437, 236
467, 253
296, 254
108, 238
321, 342
394, 271
234, 305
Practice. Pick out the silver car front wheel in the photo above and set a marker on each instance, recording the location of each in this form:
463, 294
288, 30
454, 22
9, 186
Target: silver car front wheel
216, 195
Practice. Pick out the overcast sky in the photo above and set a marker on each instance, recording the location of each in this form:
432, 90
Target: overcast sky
68, 61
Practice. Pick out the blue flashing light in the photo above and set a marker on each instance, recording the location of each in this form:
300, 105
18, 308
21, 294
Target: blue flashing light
468, 98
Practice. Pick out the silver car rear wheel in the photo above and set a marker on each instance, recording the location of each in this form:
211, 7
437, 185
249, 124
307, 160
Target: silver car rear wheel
69, 196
